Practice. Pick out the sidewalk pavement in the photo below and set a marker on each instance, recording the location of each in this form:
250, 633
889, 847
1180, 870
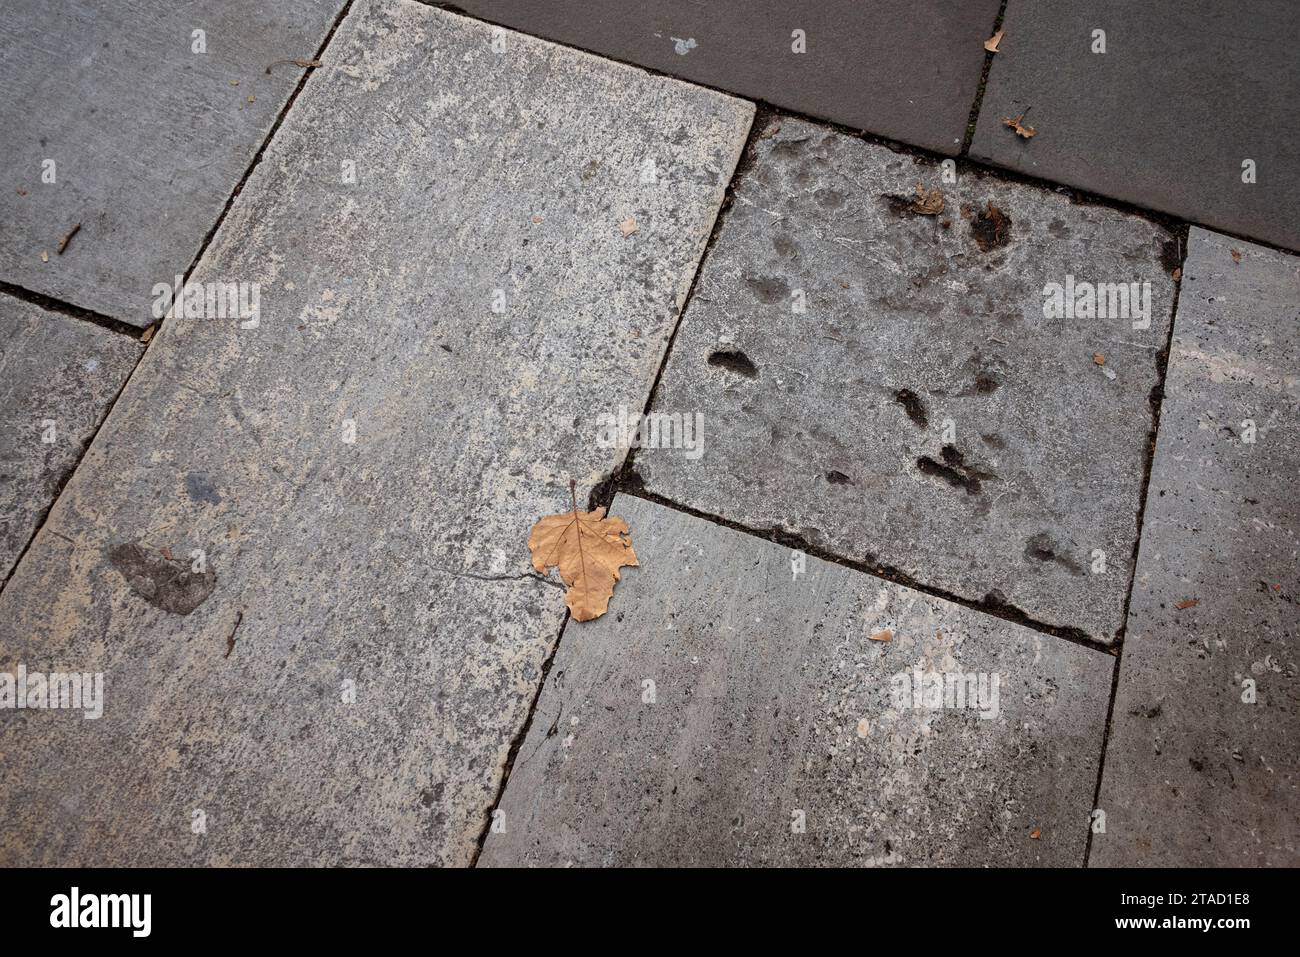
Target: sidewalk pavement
983, 550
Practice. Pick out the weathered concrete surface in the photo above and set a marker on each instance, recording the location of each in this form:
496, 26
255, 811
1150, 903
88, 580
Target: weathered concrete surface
58, 376
771, 698
906, 69
1195, 776
148, 138
1184, 94
397, 561
922, 414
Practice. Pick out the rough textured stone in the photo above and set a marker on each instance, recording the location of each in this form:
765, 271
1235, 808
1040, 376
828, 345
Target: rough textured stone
906, 69
360, 470
834, 423
770, 697
58, 376
148, 137
1186, 91
1194, 775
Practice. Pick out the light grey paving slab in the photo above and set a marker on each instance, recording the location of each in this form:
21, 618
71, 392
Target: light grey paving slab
1162, 104
922, 413
113, 121
906, 69
1197, 773
360, 469
726, 701
58, 377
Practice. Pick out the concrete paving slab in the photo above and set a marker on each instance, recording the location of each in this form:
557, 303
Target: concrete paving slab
327, 633
114, 121
1202, 766
1187, 101
58, 377
733, 710
886, 384
905, 69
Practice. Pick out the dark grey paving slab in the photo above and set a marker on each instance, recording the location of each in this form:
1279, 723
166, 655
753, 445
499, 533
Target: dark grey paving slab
1202, 766
341, 679
905, 69
58, 377
922, 413
1185, 93
147, 138
726, 702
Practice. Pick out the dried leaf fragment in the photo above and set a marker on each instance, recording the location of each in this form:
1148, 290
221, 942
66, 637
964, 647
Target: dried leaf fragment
628, 226
991, 44
884, 634
927, 203
1099, 358
1036, 833
63, 243
1187, 603
588, 549
1021, 130
1236, 255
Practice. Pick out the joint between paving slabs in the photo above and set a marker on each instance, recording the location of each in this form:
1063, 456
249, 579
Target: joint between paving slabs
1156, 401
146, 335
975, 106
603, 492
81, 314
768, 111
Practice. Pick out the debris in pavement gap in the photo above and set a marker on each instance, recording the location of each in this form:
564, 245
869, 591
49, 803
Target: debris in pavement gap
991, 44
296, 62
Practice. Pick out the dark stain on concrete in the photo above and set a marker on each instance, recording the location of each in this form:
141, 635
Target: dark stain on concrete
199, 487
164, 583
768, 289
733, 360
955, 470
913, 406
1041, 548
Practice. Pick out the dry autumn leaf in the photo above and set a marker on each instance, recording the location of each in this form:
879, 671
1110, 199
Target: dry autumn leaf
588, 549
628, 226
884, 634
1036, 833
1099, 358
991, 44
1187, 603
1236, 255
927, 203
1021, 130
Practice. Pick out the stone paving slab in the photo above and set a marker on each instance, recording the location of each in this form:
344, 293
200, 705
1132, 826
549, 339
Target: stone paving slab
1184, 94
146, 136
905, 69
341, 678
922, 414
1197, 774
725, 692
58, 377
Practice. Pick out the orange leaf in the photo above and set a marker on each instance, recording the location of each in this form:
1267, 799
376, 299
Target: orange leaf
1016, 124
588, 549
